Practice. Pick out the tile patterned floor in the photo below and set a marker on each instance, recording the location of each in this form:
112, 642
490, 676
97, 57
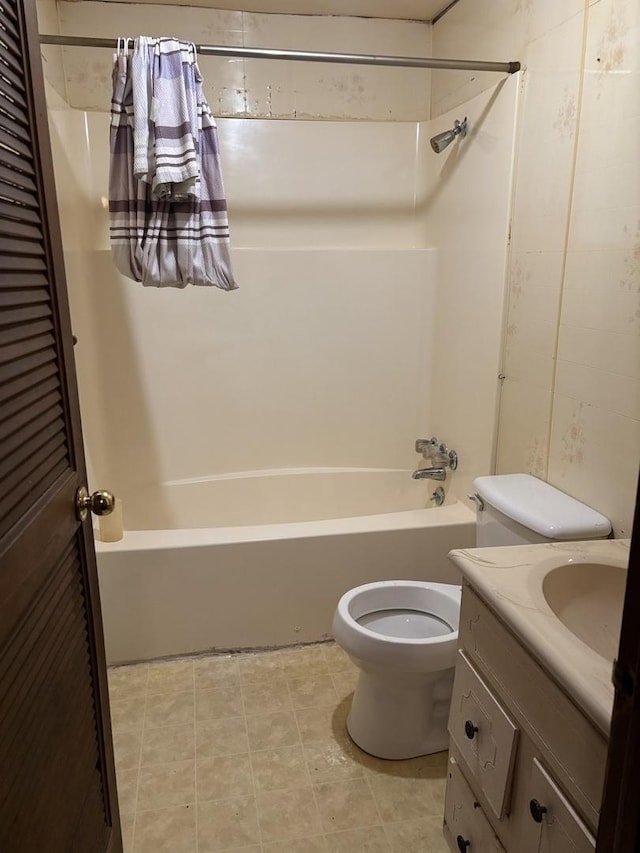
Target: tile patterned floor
248, 753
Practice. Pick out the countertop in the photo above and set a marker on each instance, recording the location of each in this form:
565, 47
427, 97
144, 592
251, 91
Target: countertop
509, 580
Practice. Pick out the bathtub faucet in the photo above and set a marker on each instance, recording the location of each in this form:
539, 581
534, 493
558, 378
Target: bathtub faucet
429, 474
437, 453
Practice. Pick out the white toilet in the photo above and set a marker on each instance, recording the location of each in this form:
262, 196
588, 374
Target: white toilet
404, 634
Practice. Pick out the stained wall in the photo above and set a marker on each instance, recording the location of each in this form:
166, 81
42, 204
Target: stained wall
570, 402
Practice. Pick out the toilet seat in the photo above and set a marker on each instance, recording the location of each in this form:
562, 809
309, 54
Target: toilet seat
405, 623
426, 651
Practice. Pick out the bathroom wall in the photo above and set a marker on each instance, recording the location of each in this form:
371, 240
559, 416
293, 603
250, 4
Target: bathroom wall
327, 354
262, 88
322, 358
52, 64
297, 184
595, 434
570, 402
570, 405
464, 200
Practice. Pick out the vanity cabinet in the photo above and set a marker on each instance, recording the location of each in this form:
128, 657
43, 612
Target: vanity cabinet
526, 767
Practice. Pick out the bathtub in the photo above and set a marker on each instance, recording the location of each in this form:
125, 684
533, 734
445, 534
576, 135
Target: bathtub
285, 546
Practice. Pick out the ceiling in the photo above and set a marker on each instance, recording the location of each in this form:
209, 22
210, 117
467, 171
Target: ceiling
410, 10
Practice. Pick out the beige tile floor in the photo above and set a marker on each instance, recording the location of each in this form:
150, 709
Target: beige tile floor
249, 753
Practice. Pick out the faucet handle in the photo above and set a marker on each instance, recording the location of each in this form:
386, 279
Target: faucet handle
438, 496
437, 453
424, 445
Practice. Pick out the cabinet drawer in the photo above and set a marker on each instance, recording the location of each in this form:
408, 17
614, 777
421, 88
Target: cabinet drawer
485, 735
465, 826
556, 825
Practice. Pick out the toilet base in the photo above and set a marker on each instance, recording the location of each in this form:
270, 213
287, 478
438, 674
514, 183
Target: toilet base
399, 718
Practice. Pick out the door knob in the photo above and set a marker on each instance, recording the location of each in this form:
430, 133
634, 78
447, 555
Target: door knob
100, 503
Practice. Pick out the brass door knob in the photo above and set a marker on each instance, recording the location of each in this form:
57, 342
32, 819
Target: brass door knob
100, 502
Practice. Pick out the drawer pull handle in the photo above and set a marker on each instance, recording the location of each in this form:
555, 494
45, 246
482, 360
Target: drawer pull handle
537, 811
463, 844
470, 730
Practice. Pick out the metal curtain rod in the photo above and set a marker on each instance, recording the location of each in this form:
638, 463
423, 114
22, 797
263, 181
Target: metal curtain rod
308, 56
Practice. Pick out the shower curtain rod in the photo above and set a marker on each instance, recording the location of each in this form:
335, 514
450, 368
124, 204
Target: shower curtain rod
307, 56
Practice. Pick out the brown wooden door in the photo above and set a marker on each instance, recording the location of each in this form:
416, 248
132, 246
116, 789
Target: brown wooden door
619, 829
57, 782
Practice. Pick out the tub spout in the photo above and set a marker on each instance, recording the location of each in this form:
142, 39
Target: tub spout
429, 474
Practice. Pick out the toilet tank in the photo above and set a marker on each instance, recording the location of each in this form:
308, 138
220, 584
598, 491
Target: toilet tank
519, 509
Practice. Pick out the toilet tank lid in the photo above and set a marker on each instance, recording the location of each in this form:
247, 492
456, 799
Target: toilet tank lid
541, 507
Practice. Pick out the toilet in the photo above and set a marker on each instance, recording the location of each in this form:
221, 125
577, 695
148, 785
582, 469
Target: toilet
403, 635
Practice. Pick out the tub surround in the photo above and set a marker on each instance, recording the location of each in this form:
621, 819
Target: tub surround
314, 317
509, 580
274, 496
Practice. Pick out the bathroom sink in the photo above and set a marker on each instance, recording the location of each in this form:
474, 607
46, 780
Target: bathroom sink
564, 603
588, 598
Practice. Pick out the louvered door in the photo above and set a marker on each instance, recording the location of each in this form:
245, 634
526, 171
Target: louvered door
57, 789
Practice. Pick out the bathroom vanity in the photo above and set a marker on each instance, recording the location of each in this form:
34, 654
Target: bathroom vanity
531, 702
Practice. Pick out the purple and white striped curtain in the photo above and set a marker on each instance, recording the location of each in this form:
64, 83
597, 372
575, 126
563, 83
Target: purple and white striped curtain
168, 213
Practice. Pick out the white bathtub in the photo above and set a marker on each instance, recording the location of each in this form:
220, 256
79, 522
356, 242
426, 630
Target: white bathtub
276, 578
274, 496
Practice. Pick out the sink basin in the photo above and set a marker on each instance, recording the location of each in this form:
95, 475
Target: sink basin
588, 597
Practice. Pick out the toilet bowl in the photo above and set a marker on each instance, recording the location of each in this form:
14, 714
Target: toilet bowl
403, 636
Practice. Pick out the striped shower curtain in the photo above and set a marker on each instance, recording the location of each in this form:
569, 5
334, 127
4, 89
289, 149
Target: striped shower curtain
168, 214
